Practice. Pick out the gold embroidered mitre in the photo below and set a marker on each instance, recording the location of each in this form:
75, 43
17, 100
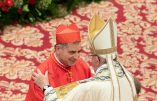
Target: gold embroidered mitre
103, 36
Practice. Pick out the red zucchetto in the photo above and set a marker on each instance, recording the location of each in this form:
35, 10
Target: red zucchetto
67, 34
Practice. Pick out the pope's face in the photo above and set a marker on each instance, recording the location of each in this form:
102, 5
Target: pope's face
69, 54
95, 62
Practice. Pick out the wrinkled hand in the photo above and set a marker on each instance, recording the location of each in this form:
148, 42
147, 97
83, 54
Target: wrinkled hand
40, 79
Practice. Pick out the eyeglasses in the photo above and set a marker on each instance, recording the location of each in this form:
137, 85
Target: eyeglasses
90, 56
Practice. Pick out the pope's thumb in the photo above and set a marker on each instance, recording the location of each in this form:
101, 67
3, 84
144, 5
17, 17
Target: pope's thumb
46, 75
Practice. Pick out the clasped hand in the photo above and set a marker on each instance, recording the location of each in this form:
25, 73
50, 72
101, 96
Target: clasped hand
40, 79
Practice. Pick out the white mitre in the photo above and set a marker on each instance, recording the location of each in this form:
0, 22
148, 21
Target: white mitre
103, 36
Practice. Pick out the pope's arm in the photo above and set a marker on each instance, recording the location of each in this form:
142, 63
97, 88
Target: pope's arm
50, 95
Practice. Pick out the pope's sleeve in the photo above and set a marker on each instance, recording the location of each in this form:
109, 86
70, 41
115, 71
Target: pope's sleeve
50, 95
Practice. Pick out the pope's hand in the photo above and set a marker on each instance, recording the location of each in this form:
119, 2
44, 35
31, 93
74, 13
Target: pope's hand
40, 79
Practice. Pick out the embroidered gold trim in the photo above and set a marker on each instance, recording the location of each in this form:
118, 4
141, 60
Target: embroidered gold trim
63, 90
106, 51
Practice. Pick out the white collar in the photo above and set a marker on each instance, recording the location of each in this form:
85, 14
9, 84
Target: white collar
101, 67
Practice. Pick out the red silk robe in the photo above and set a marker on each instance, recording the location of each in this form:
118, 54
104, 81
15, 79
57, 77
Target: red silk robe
58, 75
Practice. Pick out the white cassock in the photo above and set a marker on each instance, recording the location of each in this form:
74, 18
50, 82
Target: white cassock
101, 90
98, 88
